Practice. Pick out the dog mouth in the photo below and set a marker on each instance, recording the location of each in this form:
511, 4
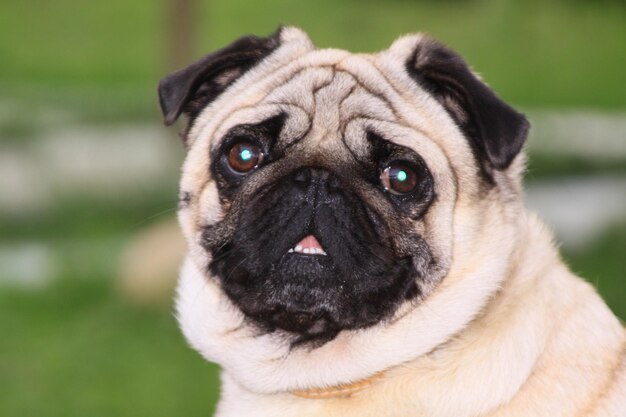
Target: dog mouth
309, 245
312, 259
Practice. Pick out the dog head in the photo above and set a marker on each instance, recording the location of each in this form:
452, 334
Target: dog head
327, 195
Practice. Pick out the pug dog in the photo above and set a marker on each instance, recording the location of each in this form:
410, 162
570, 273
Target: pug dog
358, 243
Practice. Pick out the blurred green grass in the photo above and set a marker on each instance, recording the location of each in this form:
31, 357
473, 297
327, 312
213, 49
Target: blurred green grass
104, 59
78, 349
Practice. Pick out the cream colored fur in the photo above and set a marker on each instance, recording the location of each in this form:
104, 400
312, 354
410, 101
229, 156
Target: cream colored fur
509, 331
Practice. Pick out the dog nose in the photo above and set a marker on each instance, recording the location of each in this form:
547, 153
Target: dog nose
316, 176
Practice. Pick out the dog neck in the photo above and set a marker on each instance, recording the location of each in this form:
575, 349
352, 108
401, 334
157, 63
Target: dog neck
341, 390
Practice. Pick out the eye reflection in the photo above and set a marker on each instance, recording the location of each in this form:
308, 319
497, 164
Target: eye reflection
244, 156
399, 177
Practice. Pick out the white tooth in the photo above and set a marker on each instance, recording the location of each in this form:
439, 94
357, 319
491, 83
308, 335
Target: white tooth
318, 251
298, 249
290, 250
322, 252
307, 250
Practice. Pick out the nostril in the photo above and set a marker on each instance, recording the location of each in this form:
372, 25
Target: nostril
302, 175
333, 181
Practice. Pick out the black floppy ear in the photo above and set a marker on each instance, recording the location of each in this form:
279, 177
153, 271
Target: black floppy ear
194, 87
495, 130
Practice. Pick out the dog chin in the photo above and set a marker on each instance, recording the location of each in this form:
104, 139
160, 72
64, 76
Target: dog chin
309, 294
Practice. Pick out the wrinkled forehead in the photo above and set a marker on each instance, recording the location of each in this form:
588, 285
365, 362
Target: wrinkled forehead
325, 105
330, 96
324, 91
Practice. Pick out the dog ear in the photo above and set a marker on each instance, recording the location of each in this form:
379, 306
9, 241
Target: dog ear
495, 130
194, 87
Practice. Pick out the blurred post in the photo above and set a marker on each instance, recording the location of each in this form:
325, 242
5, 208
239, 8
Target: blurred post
181, 24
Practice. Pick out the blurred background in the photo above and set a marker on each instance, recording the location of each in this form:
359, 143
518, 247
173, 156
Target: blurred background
88, 173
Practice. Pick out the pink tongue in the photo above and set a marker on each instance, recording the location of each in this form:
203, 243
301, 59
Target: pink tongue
309, 242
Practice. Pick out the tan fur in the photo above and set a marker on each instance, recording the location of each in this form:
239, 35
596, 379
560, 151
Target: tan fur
509, 331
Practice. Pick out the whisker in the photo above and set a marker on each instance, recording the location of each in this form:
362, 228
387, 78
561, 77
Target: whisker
153, 216
235, 268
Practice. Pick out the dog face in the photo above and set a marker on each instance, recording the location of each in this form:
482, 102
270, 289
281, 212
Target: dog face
320, 232
322, 190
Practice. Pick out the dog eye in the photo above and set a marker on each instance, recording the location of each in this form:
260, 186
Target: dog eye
244, 156
399, 177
